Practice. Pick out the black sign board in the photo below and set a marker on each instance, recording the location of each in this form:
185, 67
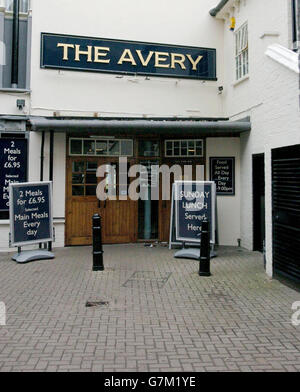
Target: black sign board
222, 172
194, 202
127, 57
31, 219
13, 167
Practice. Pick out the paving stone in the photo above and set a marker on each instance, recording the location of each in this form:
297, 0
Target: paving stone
161, 316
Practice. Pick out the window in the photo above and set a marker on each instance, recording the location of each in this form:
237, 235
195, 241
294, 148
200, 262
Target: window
295, 25
23, 4
241, 52
105, 147
184, 148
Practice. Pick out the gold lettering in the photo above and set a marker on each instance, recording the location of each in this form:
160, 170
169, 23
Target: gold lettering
88, 53
65, 51
159, 56
194, 63
143, 61
98, 54
177, 58
127, 56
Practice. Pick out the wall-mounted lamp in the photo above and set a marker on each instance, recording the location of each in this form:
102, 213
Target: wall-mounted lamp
220, 88
20, 104
232, 23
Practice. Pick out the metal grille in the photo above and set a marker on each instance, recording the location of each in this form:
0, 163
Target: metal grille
286, 211
147, 280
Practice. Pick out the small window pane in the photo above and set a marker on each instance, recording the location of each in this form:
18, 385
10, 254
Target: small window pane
191, 148
126, 147
184, 147
77, 178
169, 148
199, 148
90, 190
76, 146
101, 147
176, 148
149, 148
91, 178
78, 167
89, 147
113, 147
91, 166
78, 190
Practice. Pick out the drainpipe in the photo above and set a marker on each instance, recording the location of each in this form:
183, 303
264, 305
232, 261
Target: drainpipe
42, 164
147, 203
15, 46
42, 157
51, 170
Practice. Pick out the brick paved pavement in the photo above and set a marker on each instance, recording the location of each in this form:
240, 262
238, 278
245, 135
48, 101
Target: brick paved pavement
161, 315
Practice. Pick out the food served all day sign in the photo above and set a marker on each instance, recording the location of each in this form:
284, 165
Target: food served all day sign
31, 219
127, 57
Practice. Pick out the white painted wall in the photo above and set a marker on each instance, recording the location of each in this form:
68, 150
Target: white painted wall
75, 93
228, 207
270, 96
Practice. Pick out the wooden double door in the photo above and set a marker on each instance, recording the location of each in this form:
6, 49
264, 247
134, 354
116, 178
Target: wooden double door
119, 214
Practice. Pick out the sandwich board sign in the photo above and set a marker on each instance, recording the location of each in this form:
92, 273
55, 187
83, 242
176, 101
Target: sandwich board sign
13, 167
193, 202
31, 218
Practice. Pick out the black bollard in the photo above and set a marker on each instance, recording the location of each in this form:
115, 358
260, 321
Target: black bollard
204, 268
97, 244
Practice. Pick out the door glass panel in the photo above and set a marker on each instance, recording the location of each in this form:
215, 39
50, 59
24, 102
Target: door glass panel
91, 178
90, 190
78, 190
89, 147
111, 179
91, 166
78, 167
148, 209
77, 178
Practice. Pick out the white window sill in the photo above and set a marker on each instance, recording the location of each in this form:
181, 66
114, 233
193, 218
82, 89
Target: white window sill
237, 82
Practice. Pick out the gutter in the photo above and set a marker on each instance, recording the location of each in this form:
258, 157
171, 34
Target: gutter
217, 9
15, 46
137, 126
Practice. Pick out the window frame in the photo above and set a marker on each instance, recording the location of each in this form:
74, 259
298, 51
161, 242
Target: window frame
180, 155
24, 6
241, 43
107, 140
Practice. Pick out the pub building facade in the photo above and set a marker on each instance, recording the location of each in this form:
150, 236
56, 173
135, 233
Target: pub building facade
213, 85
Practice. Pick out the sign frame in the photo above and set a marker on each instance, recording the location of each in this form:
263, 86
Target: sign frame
11, 214
26, 169
233, 174
213, 211
135, 72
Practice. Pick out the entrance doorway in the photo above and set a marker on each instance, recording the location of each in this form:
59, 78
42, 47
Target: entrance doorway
118, 215
286, 211
258, 175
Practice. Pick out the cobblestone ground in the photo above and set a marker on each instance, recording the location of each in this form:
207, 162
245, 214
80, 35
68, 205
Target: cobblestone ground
160, 316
